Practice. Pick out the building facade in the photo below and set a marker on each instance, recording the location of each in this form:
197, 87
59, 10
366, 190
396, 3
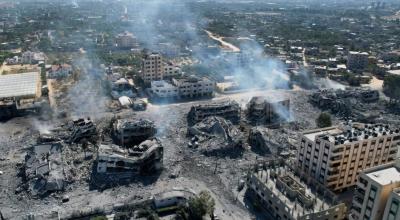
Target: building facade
152, 67
163, 89
357, 60
335, 156
377, 195
126, 40
192, 86
282, 195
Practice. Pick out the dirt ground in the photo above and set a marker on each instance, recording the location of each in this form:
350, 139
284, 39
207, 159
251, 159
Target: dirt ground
219, 173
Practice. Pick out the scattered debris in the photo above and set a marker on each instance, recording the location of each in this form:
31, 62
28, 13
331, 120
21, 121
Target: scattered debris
260, 139
213, 130
44, 169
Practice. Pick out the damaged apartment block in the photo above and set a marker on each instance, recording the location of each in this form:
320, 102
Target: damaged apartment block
127, 132
44, 169
141, 159
82, 129
268, 110
229, 110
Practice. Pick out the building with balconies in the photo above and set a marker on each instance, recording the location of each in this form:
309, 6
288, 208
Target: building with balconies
377, 195
335, 156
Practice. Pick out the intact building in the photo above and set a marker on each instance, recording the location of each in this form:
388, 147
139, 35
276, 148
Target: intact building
357, 60
20, 93
283, 195
152, 67
334, 156
126, 40
377, 195
171, 70
193, 86
163, 89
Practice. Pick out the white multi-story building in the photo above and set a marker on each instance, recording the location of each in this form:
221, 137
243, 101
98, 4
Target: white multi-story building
163, 89
171, 70
126, 40
190, 87
334, 156
152, 67
357, 60
377, 196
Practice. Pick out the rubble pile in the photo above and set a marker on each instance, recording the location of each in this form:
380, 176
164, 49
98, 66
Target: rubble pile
81, 129
215, 131
344, 103
260, 139
44, 169
229, 110
127, 132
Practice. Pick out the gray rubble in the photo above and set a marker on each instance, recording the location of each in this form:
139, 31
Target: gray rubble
215, 130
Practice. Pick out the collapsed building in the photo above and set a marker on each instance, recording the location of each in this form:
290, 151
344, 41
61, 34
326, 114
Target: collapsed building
261, 140
268, 110
128, 132
20, 93
283, 195
228, 109
212, 130
44, 169
140, 159
82, 129
342, 102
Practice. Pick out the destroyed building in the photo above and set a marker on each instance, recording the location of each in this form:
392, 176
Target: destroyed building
342, 102
215, 130
128, 132
82, 129
140, 159
229, 110
44, 169
261, 140
268, 110
20, 93
283, 195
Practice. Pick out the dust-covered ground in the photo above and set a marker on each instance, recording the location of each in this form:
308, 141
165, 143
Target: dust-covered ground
183, 166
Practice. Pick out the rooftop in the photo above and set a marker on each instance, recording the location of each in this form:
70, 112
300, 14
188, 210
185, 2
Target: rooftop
297, 208
385, 175
20, 85
350, 132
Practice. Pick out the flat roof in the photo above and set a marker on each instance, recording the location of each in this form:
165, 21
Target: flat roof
385, 176
21, 84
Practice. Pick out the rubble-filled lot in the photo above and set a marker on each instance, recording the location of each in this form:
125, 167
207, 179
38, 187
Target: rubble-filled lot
184, 166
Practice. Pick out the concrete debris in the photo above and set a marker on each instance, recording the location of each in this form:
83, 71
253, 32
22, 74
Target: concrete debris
215, 130
82, 129
44, 169
260, 139
268, 110
229, 110
127, 132
142, 159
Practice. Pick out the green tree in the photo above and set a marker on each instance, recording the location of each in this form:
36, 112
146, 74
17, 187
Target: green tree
324, 120
201, 206
391, 87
